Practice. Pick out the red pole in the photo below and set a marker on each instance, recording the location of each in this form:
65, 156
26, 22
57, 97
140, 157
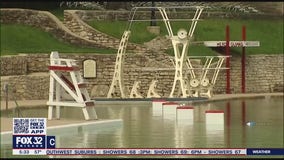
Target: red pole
244, 62
228, 91
228, 119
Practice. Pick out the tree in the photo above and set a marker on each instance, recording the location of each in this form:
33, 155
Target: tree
153, 15
40, 5
117, 5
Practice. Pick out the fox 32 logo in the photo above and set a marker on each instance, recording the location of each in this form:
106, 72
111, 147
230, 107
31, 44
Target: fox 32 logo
33, 141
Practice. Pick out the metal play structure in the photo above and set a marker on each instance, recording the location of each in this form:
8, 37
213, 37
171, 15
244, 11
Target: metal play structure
227, 44
135, 90
65, 74
152, 90
117, 80
202, 85
197, 85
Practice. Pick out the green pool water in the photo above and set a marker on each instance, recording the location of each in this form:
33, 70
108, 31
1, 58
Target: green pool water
140, 129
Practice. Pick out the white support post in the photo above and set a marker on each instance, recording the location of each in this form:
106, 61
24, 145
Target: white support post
217, 69
57, 91
166, 21
214, 117
194, 21
184, 115
193, 82
179, 61
85, 112
157, 107
205, 81
205, 69
169, 110
189, 65
58, 99
51, 95
52, 84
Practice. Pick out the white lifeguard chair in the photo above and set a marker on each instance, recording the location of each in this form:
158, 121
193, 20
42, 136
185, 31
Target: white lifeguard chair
59, 69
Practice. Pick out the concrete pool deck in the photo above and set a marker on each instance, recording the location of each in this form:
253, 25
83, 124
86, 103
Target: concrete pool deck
65, 122
35, 103
55, 124
63, 127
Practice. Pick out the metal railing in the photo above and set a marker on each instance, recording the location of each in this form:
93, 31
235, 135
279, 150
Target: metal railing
10, 92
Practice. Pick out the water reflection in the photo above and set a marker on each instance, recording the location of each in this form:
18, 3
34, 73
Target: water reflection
243, 123
214, 120
184, 134
215, 136
157, 107
228, 124
141, 129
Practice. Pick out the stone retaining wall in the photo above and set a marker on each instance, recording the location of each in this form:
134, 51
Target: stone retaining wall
28, 74
26, 87
123, 15
79, 27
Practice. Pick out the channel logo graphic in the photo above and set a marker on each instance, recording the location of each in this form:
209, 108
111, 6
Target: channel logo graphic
29, 126
29, 137
29, 141
50, 142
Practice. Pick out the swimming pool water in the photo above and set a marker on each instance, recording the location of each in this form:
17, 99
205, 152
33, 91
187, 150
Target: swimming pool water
141, 129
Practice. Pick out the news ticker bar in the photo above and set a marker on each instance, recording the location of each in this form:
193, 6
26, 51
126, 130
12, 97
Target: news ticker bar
121, 151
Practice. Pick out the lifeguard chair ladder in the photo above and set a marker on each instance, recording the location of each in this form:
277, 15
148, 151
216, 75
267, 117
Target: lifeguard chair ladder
76, 88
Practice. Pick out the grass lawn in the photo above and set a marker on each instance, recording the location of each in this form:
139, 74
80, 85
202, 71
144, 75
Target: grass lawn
116, 28
25, 39
59, 13
268, 32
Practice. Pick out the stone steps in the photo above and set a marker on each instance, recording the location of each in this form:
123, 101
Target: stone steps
45, 21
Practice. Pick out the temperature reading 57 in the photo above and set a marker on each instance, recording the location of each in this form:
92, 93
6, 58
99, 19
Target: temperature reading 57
238, 151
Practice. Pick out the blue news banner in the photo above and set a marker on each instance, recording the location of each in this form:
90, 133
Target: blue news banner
30, 138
